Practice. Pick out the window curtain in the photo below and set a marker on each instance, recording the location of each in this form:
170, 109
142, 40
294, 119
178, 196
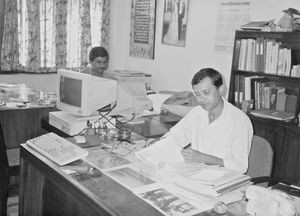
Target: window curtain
43, 35
2, 6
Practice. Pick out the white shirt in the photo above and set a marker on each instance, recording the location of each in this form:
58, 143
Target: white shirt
228, 137
105, 74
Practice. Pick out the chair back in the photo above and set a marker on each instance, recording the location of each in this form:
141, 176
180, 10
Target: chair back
3, 155
260, 158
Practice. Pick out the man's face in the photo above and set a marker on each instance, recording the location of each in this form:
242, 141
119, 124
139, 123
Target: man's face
100, 64
208, 95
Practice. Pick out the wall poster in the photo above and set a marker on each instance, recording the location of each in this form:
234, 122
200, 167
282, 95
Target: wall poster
142, 28
175, 22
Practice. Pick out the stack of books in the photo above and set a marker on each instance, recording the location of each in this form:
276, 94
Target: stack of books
273, 114
263, 55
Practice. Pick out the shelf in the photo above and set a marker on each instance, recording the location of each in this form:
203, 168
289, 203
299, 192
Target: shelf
242, 72
261, 65
289, 124
255, 79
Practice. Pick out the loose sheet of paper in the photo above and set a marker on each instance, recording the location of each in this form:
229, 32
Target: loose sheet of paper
162, 151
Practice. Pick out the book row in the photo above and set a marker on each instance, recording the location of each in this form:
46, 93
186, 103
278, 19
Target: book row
263, 55
265, 94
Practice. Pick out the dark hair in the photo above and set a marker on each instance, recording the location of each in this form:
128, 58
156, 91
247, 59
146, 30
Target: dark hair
98, 51
208, 72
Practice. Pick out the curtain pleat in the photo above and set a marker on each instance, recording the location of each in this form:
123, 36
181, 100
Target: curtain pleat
2, 8
85, 35
10, 54
33, 62
61, 32
105, 24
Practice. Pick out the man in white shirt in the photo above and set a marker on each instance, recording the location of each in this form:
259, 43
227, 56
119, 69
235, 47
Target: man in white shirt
219, 133
98, 63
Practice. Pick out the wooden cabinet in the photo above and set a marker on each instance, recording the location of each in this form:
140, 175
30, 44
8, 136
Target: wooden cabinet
265, 79
292, 155
19, 125
285, 141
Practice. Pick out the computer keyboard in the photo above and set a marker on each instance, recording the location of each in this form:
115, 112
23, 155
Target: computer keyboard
57, 149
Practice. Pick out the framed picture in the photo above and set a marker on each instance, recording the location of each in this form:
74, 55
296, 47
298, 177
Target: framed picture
142, 28
175, 22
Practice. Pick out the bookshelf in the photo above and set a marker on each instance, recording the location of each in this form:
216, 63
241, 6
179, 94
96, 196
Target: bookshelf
265, 73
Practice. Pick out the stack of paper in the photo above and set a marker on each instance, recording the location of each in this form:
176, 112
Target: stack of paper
257, 25
213, 181
206, 180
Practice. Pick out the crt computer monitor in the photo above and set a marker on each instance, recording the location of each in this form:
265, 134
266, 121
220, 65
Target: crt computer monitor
83, 94
131, 98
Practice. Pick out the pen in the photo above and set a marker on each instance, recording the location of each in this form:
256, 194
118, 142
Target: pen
185, 147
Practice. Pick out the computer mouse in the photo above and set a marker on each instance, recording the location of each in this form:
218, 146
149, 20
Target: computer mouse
80, 139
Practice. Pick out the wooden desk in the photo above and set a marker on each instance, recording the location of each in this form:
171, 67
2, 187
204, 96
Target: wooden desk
21, 124
46, 190
155, 126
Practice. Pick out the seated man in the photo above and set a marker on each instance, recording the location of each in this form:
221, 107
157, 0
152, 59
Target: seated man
99, 58
219, 133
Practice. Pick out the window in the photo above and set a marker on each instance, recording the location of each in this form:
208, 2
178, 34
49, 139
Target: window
51, 34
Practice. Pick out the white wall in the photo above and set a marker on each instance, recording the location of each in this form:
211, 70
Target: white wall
173, 67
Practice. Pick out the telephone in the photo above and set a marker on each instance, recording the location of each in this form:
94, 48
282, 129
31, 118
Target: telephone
265, 201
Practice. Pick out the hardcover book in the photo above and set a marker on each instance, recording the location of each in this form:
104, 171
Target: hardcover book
273, 114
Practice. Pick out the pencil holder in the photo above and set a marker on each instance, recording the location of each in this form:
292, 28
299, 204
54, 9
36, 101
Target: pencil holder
124, 133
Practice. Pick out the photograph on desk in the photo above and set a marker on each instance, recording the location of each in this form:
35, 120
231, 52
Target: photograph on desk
166, 202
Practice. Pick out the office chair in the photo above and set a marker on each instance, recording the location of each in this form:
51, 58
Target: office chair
261, 162
9, 166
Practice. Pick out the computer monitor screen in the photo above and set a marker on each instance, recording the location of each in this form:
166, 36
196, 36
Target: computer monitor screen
83, 94
70, 91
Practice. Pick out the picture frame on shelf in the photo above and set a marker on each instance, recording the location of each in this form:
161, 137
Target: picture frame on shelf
142, 28
175, 22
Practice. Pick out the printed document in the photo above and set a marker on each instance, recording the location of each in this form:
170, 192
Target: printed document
163, 150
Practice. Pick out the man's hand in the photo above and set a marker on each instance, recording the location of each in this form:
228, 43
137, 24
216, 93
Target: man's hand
192, 156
